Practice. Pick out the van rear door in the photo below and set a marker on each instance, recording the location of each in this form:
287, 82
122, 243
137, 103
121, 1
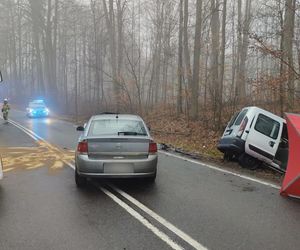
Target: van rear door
264, 136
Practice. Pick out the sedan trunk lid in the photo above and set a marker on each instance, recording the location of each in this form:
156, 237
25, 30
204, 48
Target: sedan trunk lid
118, 148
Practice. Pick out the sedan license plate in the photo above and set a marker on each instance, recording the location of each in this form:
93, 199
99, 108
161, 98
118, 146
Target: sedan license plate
118, 168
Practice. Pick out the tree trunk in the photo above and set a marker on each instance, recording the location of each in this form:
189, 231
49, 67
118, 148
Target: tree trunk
289, 23
196, 66
188, 72
243, 49
215, 28
110, 23
222, 65
180, 62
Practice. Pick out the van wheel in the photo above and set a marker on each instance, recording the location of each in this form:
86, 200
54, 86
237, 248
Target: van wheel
79, 180
247, 161
228, 157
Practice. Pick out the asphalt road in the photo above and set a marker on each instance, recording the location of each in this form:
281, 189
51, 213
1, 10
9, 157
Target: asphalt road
189, 205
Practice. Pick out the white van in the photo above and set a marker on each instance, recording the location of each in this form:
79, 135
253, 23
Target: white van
255, 136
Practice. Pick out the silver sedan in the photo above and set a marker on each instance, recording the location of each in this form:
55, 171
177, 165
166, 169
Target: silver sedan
115, 146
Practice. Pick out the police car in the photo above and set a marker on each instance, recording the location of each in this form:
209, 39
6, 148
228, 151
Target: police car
37, 108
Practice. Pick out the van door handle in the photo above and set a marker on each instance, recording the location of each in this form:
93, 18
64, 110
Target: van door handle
271, 143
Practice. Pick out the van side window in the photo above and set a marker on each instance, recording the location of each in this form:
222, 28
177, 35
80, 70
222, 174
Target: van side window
267, 126
241, 117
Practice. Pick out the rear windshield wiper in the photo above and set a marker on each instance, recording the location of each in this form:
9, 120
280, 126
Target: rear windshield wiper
131, 133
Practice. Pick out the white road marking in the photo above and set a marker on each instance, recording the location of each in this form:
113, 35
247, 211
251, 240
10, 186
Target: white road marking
1, 169
222, 170
25, 130
161, 220
70, 165
143, 220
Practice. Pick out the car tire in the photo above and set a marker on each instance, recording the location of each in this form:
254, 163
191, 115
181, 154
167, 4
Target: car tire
80, 180
150, 179
247, 161
228, 157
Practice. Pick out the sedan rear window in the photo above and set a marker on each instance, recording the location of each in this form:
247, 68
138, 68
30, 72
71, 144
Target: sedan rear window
117, 127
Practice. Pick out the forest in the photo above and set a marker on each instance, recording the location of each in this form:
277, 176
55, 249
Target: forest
183, 64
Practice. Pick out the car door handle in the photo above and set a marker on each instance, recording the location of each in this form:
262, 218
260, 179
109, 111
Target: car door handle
271, 143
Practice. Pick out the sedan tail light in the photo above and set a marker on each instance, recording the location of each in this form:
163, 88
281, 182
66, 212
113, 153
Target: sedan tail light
82, 147
152, 147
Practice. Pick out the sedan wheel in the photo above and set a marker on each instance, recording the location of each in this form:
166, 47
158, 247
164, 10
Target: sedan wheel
150, 179
79, 180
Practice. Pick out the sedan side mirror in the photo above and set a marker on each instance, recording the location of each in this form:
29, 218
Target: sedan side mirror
80, 128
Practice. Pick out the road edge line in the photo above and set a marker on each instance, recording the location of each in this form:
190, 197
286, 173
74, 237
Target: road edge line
34, 137
1, 168
222, 170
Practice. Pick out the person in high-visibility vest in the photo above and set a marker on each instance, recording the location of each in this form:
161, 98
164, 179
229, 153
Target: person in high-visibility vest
5, 109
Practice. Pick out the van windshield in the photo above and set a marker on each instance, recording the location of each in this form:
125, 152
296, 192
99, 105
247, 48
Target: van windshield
241, 117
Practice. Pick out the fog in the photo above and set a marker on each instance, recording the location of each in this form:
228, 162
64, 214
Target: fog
198, 58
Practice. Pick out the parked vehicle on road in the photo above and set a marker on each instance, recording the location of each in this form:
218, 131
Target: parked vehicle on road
255, 136
37, 108
115, 146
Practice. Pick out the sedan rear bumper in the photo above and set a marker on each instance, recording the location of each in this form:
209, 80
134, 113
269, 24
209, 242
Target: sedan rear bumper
116, 168
115, 175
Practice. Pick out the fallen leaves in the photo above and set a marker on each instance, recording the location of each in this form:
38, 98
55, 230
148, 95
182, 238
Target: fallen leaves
177, 132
